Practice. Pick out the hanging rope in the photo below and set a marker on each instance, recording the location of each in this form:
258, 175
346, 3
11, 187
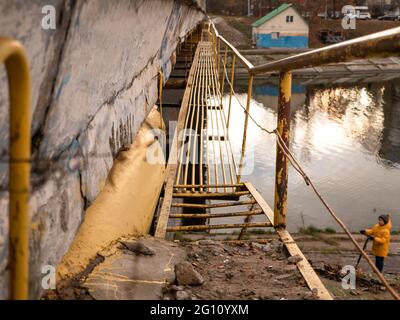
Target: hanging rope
295, 164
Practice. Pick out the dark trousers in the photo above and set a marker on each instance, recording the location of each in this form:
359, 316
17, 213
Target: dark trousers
379, 263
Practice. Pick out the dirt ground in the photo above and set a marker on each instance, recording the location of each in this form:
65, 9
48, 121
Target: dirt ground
244, 271
221, 270
254, 268
328, 254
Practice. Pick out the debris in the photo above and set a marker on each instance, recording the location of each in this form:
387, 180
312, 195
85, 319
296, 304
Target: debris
182, 295
187, 275
312, 295
138, 248
289, 268
283, 276
206, 242
176, 288
263, 247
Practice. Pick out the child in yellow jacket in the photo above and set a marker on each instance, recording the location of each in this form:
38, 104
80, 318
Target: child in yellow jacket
380, 234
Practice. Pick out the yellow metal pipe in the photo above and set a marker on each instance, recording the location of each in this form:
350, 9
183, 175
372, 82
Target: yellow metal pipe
281, 169
218, 57
222, 77
246, 121
14, 56
220, 226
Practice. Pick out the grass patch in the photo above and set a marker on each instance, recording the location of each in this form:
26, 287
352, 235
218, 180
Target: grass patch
313, 231
329, 231
260, 231
310, 230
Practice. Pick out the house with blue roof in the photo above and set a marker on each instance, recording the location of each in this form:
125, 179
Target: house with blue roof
283, 27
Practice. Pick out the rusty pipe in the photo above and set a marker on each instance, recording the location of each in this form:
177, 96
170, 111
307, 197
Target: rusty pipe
281, 169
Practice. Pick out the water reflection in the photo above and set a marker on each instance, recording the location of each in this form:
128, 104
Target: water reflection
348, 140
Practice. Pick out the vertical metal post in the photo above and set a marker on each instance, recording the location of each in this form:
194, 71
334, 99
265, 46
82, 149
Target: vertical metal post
218, 50
231, 88
15, 59
281, 166
223, 74
246, 120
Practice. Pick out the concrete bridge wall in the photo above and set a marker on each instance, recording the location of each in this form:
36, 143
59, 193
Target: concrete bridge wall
94, 81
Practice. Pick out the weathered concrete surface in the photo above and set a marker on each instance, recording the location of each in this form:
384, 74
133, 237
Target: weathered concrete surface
126, 275
94, 83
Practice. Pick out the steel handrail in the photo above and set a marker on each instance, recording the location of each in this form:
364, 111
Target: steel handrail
249, 66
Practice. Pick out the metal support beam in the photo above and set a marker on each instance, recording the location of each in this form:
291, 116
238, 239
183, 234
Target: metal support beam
281, 166
216, 215
222, 76
246, 121
231, 89
219, 226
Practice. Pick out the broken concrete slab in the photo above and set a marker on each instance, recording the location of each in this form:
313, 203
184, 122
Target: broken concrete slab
128, 276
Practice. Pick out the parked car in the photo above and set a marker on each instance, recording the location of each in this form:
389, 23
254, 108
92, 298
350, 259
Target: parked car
390, 17
364, 16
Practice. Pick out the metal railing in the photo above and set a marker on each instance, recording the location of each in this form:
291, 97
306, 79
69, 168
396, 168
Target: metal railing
14, 56
381, 44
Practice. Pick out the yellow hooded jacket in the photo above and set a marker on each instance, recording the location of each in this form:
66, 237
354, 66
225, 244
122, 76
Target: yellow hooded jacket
381, 234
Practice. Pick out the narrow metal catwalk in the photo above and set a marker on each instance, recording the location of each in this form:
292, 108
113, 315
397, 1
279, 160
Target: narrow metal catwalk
206, 160
202, 190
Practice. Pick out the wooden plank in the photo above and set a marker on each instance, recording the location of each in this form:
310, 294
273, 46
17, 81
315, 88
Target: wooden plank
173, 157
261, 202
308, 273
219, 226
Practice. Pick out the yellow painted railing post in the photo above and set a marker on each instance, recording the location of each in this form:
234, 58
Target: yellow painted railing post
246, 120
218, 58
281, 166
231, 91
13, 55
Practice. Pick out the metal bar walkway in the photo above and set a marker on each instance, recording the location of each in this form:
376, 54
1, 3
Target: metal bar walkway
201, 173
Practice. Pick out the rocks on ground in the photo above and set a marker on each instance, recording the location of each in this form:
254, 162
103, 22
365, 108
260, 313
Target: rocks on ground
187, 275
239, 270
